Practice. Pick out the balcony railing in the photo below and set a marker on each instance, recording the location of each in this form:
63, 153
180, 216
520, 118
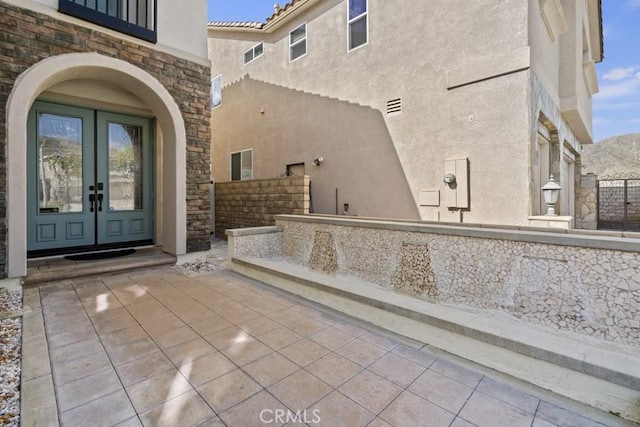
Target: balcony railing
136, 18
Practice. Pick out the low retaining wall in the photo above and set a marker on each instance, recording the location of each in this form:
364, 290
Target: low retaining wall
240, 204
589, 284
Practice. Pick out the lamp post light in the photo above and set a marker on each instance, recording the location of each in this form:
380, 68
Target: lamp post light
551, 191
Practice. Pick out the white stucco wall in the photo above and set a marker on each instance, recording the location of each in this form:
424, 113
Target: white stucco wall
575, 97
181, 30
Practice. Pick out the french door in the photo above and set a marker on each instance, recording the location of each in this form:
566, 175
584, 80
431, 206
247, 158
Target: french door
90, 179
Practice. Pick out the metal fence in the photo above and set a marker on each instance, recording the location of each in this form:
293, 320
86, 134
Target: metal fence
619, 204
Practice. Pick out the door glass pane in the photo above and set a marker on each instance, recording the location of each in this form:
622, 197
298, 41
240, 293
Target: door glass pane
59, 164
125, 167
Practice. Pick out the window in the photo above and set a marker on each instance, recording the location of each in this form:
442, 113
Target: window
253, 53
136, 18
298, 42
216, 91
358, 23
242, 165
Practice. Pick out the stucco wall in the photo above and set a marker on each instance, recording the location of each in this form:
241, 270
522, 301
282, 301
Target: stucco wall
545, 51
181, 30
30, 37
409, 53
412, 54
568, 282
360, 161
575, 98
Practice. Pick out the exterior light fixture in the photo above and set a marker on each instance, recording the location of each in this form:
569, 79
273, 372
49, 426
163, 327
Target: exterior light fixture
318, 160
551, 191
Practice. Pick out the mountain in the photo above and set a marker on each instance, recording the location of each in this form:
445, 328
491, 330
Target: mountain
615, 157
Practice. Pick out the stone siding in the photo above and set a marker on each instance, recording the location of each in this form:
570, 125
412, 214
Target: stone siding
568, 286
28, 37
587, 203
241, 204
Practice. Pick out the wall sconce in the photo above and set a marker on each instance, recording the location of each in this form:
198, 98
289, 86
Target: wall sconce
551, 191
318, 160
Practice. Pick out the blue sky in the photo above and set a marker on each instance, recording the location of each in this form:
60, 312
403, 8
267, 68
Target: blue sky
616, 109
242, 10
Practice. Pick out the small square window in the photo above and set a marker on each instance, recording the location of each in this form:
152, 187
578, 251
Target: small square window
253, 53
298, 42
242, 165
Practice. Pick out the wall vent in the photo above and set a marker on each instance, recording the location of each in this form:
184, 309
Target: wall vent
394, 106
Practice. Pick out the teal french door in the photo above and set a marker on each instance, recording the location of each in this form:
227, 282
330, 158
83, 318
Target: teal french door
90, 179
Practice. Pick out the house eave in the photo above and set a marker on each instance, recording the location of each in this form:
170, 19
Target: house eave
596, 29
212, 29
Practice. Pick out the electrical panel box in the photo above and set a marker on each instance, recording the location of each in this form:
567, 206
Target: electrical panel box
456, 195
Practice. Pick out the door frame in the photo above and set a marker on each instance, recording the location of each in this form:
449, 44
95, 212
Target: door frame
171, 232
95, 149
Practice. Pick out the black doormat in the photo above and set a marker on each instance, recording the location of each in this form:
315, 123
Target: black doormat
100, 255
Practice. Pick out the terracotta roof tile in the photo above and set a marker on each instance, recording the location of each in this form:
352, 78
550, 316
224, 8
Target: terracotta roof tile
278, 12
229, 24
281, 10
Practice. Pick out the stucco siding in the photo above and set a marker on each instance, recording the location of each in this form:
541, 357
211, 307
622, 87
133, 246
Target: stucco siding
359, 160
462, 72
409, 53
545, 51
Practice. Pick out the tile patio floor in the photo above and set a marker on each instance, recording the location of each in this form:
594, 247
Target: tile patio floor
163, 348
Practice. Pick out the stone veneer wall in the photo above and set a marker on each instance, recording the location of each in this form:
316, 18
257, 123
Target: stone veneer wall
554, 279
587, 202
240, 204
28, 37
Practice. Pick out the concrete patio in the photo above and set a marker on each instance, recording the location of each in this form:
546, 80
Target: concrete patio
166, 347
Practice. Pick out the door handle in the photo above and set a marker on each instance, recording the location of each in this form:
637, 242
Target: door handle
100, 198
92, 199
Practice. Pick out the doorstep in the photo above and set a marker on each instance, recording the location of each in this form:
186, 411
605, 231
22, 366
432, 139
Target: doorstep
58, 268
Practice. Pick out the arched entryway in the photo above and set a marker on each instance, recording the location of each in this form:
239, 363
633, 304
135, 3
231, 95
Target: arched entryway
92, 66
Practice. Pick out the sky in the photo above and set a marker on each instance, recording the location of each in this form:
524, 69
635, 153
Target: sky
242, 10
616, 108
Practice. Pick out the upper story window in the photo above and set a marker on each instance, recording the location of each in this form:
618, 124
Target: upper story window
136, 18
253, 53
358, 23
216, 91
242, 165
298, 42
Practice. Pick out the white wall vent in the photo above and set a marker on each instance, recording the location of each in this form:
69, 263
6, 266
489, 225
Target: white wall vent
394, 106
